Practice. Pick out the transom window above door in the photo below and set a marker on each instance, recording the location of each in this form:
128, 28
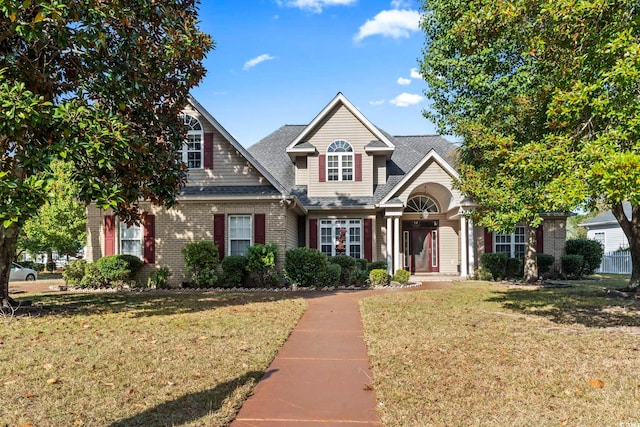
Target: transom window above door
192, 148
340, 161
421, 204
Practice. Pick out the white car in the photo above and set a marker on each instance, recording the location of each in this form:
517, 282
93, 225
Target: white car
19, 272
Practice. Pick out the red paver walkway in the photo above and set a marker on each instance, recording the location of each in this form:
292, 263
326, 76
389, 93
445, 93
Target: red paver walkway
321, 375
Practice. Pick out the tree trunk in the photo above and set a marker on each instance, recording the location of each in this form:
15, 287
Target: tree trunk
8, 243
530, 260
631, 228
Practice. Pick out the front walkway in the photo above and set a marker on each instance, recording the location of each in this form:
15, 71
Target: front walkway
321, 375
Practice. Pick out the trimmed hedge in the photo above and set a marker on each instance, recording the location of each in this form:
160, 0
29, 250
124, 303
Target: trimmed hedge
494, 263
333, 275
261, 265
233, 270
572, 265
305, 266
401, 276
348, 265
202, 260
377, 265
591, 252
545, 263
379, 277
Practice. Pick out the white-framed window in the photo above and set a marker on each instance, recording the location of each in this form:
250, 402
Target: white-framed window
240, 232
340, 161
341, 236
130, 239
192, 148
514, 244
599, 237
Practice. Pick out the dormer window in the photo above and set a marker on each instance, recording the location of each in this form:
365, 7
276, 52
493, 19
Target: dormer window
192, 149
340, 161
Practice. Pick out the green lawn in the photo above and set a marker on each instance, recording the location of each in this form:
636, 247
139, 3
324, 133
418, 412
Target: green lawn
483, 354
138, 359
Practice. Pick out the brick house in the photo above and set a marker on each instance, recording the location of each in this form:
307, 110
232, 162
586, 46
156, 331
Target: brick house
339, 184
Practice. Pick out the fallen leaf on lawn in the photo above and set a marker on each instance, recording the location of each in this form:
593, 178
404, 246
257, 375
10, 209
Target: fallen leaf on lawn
202, 337
131, 392
53, 381
29, 395
47, 366
596, 383
77, 423
26, 425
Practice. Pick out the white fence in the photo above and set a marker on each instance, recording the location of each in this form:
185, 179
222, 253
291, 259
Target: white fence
616, 263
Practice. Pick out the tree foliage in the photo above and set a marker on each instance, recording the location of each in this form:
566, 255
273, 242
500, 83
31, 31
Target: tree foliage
99, 85
545, 94
487, 87
60, 224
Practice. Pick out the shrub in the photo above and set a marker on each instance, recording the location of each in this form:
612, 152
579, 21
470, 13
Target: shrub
483, 274
545, 263
74, 272
114, 269
591, 251
333, 275
159, 278
51, 266
201, 259
199, 255
92, 277
360, 277
38, 266
361, 263
379, 277
495, 263
305, 266
261, 264
401, 276
134, 263
572, 265
514, 268
377, 265
234, 270
347, 264
205, 278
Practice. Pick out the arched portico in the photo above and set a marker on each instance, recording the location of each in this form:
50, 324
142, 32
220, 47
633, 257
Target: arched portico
427, 232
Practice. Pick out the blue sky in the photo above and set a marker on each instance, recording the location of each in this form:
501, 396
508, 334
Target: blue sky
280, 62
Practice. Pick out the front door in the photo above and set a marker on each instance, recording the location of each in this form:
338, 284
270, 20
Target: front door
423, 248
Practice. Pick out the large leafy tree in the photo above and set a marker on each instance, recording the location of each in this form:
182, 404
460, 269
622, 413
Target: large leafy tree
595, 111
576, 66
487, 87
99, 84
60, 224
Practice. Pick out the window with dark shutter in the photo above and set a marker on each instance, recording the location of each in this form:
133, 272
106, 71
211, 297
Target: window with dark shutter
368, 239
219, 233
313, 233
109, 235
149, 256
259, 232
208, 151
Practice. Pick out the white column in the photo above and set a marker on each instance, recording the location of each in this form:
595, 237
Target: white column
396, 244
472, 251
464, 262
389, 245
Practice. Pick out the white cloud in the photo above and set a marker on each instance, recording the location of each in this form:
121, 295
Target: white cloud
377, 102
258, 59
415, 74
399, 4
403, 82
315, 5
391, 23
407, 99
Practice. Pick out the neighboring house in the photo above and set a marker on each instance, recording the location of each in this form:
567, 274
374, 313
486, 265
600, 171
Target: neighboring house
339, 184
605, 229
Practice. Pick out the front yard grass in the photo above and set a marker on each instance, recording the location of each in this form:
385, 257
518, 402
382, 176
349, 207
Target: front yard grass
486, 354
138, 359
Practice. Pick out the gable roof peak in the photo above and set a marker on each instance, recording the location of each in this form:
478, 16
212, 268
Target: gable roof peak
340, 99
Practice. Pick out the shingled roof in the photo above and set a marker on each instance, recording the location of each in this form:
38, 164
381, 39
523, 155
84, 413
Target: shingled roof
409, 151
